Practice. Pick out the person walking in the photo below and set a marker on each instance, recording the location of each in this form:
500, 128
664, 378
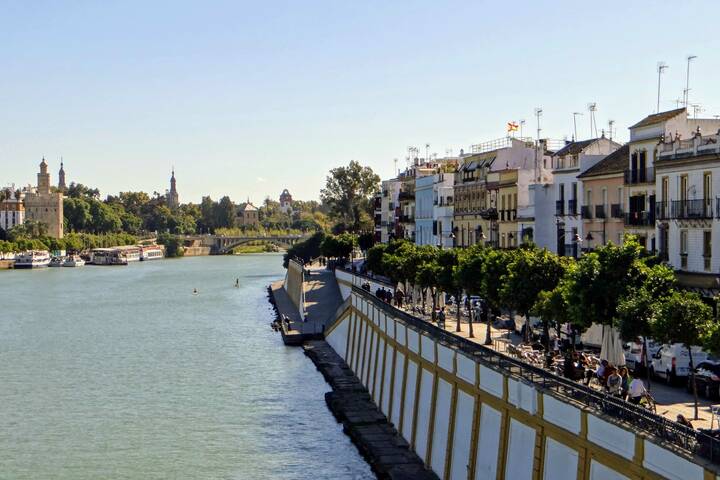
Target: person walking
441, 317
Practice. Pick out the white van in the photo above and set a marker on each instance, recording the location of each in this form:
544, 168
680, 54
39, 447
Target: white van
672, 362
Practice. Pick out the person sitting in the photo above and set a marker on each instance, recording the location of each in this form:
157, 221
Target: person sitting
613, 384
598, 374
636, 391
684, 421
625, 384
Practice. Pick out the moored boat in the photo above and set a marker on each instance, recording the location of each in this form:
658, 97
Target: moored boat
56, 262
73, 261
32, 259
108, 256
152, 252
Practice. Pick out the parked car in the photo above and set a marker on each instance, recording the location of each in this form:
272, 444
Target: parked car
707, 379
672, 362
633, 355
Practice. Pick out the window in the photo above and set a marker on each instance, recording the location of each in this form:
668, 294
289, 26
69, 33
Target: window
620, 198
665, 186
588, 197
707, 194
683, 248
683, 187
707, 249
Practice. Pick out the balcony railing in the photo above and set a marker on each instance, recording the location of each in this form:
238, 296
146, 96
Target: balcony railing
586, 212
600, 211
406, 196
407, 218
691, 209
616, 210
572, 207
662, 211
560, 208
640, 219
637, 176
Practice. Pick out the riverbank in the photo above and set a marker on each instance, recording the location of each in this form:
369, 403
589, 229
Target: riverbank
378, 441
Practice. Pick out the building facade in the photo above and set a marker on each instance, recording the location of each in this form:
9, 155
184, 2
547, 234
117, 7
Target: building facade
434, 208
640, 181
687, 176
424, 210
12, 210
569, 162
44, 206
248, 215
389, 210
286, 202
603, 196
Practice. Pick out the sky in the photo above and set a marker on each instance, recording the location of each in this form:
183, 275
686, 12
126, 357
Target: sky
248, 98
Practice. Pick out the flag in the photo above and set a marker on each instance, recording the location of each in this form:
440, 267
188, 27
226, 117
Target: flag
512, 126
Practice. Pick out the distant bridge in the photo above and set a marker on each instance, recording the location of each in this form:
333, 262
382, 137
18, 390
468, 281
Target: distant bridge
222, 244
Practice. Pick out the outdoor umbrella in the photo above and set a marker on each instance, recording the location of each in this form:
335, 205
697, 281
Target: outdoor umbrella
611, 349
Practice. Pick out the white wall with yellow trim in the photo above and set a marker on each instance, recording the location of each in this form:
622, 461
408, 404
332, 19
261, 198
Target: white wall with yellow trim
469, 421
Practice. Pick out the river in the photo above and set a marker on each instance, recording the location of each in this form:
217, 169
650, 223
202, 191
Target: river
124, 373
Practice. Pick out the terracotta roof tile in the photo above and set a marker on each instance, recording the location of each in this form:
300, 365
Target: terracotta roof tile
616, 162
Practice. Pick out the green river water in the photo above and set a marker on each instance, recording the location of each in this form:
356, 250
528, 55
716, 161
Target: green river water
123, 373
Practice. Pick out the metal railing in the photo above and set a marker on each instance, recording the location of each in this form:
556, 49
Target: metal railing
572, 207
640, 219
637, 176
691, 209
560, 208
600, 211
662, 210
586, 212
616, 210
639, 418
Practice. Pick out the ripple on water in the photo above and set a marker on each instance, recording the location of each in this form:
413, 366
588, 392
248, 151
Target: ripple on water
123, 373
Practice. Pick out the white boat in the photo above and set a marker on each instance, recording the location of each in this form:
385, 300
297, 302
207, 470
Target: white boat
130, 252
108, 256
73, 261
32, 259
56, 262
151, 253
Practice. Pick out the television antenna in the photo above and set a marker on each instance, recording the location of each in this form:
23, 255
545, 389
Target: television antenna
611, 124
686, 92
575, 115
661, 67
592, 108
522, 123
696, 109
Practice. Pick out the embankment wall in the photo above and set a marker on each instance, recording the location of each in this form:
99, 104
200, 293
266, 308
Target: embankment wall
468, 420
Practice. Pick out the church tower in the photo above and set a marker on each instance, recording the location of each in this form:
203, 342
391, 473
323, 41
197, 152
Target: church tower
61, 178
43, 183
172, 195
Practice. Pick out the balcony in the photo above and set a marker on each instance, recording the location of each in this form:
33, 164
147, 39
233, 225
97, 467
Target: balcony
406, 196
640, 219
691, 209
560, 208
407, 219
662, 211
572, 207
600, 211
639, 176
616, 210
586, 212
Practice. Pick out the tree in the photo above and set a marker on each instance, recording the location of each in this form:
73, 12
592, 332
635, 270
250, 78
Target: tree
637, 310
104, 218
530, 272
469, 276
373, 258
602, 279
684, 318
225, 213
77, 214
173, 245
305, 250
207, 215
366, 241
427, 273
447, 261
347, 193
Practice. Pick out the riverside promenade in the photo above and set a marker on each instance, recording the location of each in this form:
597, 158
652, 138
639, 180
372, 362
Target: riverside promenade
378, 440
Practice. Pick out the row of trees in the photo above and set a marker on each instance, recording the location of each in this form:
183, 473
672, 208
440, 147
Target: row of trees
618, 286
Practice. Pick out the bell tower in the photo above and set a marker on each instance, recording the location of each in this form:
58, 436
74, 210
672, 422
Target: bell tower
43, 178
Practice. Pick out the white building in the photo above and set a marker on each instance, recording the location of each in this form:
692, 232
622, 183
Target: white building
434, 209
567, 163
688, 209
640, 181
389, 209
12, 210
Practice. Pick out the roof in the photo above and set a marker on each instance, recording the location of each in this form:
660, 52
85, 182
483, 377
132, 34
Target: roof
574, 148
659, 117
616, 162
246, 207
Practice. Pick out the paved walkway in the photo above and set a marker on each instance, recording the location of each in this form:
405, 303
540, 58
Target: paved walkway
322, 299
670, 400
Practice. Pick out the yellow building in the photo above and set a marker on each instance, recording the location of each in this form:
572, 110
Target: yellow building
507, 208
475, 213
44, 206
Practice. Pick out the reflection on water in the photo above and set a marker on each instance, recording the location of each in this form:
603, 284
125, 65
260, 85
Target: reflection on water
121, 372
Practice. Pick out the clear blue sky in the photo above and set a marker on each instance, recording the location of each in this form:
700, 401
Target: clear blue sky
248, 98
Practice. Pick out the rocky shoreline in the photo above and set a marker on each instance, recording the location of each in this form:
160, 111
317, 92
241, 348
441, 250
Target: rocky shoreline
388, 454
